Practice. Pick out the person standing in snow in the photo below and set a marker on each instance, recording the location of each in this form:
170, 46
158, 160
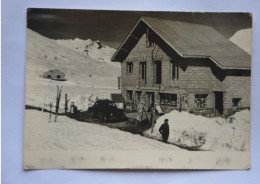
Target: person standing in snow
164, 130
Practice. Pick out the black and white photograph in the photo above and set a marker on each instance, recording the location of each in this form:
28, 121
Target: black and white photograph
137, 90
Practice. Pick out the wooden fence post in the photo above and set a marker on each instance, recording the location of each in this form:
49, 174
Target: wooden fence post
66, 103
50, 111
57, 102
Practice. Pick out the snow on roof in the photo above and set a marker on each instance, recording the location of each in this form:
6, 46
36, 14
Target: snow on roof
54, 71
243, 39
198, 41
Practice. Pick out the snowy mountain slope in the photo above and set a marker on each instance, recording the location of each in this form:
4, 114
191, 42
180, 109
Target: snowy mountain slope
243, 39
93, 49
44, 54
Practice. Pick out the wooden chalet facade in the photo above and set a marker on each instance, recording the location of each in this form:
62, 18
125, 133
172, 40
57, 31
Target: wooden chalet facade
185, 66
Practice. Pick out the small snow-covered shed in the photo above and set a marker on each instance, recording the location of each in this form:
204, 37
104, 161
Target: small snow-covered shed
54, 75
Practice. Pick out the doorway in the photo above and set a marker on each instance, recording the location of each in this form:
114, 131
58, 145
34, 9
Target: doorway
218, 103
150, 100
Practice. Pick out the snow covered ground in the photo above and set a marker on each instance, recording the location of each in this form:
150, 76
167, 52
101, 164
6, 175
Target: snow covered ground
41, 91
219, 133
90, 76
68, 134
69, 144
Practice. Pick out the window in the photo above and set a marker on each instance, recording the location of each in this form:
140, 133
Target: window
112, 104
175, 71
149, 39
158, 65
143, 71
119, 82
200, 100
130, 95
48, 76
58, 76
235, 102
138, 96
129, 68
168, 99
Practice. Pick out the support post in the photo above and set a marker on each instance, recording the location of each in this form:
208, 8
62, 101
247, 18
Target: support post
50, 112
66, 103
57, 102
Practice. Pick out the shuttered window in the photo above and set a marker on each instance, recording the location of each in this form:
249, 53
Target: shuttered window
175, 71
143, 71
129, 67
158, 66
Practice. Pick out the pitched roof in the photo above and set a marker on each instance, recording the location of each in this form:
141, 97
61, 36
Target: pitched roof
200, 41
54, 71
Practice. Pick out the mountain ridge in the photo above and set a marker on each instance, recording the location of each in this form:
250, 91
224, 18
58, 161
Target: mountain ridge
43, 54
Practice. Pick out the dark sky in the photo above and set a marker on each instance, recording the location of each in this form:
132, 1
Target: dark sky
111, 27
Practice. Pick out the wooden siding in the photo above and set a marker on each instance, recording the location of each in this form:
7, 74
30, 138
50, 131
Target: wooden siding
196, 76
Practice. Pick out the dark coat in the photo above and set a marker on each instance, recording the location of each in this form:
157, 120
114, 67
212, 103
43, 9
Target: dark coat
164, 130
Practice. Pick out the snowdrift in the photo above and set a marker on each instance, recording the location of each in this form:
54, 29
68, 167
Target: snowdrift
83, 102
195, 131
243, 39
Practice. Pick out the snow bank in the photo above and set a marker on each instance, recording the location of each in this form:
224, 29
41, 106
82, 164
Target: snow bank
212, 133
83, 102
242, 116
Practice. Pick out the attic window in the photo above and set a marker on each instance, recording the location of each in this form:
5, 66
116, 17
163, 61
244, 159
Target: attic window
149, 39
129, 67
